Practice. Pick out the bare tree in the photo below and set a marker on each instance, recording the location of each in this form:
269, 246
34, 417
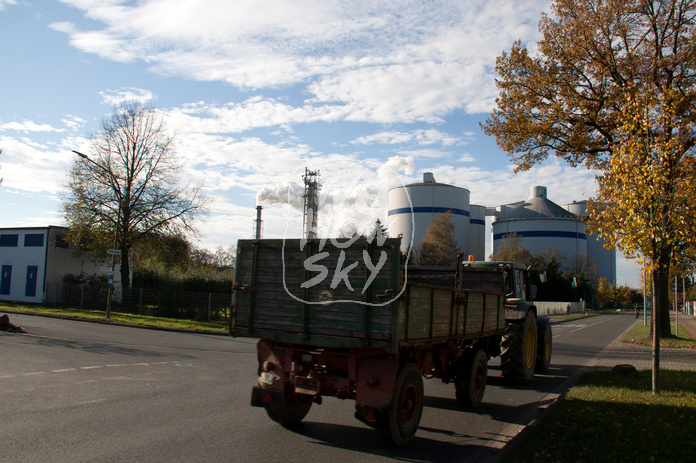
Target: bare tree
127, 188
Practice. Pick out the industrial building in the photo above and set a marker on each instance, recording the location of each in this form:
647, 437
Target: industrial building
540, 223
34, 260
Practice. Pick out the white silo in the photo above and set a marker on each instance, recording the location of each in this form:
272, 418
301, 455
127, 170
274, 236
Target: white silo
412, 208
542, 225
477, 232
605, 258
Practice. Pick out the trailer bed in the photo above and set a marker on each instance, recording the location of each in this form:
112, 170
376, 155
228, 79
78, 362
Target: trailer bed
334, 294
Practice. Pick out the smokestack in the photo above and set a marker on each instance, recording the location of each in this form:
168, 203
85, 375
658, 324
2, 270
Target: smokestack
311, 203
258, 222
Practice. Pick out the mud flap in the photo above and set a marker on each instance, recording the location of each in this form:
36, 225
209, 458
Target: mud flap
267, 398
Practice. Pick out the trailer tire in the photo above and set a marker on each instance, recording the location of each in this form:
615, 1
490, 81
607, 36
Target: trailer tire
470, 382
519, 349
545, 342
405, 409
296, 408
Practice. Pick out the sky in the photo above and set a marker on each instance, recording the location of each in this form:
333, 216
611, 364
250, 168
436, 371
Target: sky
369, 93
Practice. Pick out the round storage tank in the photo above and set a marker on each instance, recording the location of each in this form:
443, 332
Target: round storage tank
477, 232
605, 258
542, 225
412, 208
538, 235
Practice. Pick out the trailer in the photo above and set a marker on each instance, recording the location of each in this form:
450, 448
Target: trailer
344, 318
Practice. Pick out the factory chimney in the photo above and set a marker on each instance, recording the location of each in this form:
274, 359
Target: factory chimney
258, 223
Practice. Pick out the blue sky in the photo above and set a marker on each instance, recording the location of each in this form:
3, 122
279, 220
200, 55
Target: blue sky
372, 94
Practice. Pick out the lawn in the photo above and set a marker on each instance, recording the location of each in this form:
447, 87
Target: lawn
116, 317
640, 334
607, 418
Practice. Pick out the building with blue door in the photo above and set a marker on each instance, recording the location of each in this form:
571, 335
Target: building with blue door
34, 260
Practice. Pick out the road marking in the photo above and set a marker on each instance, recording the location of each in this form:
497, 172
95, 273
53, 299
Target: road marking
593, 324
95, 367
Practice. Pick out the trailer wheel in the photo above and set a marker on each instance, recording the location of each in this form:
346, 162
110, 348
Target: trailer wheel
519, 349
470, 382
405, 409
543, 362
296, 408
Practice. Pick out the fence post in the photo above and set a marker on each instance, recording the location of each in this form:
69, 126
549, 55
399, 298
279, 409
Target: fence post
210, 301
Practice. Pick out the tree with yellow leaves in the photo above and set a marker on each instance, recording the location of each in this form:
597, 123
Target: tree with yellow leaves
645, 203
601, 67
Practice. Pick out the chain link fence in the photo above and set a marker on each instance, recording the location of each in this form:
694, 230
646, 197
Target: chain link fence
187, 305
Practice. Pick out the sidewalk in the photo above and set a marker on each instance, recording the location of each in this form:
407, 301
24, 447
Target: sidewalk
618, 352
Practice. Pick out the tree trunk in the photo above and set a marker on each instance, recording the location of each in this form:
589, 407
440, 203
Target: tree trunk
655, 326
661, 293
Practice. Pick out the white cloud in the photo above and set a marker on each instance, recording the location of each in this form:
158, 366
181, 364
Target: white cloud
492, 188
4, 3
28, 126
385, 61
115, 97
31, 167
73, 122
253, 113
419, 137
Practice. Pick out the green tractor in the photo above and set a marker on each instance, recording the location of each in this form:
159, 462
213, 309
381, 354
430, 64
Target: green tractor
525, 347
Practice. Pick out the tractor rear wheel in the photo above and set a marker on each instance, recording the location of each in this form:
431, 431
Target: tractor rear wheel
543, 362
519, 349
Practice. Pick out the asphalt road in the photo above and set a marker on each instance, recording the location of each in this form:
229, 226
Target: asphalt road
73, 391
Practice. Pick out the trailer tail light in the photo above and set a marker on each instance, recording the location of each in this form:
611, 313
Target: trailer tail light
370, 417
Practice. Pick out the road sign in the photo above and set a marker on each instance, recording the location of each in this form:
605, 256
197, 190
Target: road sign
113, 252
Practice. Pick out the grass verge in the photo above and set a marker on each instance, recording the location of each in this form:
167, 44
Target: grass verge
640, 334
607, 418
116, 317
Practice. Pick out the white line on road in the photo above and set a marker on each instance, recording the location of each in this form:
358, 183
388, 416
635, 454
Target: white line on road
593, 324
93, 367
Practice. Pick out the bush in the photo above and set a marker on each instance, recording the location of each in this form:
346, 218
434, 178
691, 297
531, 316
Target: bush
83, 287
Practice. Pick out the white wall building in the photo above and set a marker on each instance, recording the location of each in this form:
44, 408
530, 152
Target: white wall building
34, 260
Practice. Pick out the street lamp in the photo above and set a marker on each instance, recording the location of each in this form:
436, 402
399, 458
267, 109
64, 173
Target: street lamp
113, 251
